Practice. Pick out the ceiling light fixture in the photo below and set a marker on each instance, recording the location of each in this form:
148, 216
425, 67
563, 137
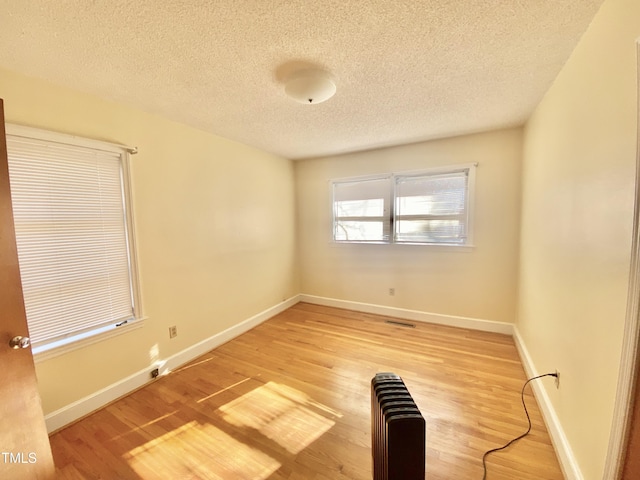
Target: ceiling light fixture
310, 87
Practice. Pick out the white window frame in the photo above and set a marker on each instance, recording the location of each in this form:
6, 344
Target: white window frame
81, 340
392, 218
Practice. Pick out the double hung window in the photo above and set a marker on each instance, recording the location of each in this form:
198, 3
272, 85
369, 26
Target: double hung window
74, 235
428, 207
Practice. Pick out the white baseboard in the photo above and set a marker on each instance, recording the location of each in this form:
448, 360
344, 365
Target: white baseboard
415, 315
76, 410
567, 460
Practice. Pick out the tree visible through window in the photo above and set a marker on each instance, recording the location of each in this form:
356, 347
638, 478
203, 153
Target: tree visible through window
361, 210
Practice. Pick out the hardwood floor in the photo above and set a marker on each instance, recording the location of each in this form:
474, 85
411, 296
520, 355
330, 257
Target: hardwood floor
290, 400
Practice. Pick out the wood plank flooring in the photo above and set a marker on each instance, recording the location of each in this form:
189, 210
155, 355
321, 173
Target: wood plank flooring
290, 400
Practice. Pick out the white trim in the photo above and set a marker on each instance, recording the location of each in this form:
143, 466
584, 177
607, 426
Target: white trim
127, 191
51, 136
415, 315
83, 340
567, 459
361, 178
471, 205
230, 333
450, 168
80, 408
440, 246
629, 356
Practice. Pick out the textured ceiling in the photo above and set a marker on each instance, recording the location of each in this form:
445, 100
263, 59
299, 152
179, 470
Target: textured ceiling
405, 70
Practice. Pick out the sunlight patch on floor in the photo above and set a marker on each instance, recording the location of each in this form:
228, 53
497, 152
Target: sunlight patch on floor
180, 453
281, 413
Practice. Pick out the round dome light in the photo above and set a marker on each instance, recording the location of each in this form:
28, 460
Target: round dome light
310, 87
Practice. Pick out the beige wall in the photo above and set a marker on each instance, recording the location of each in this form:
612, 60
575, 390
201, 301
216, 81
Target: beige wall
214, 223
578, 188
478, 283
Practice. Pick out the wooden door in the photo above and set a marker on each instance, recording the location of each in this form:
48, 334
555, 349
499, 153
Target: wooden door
631, 461
24, 444
631, 470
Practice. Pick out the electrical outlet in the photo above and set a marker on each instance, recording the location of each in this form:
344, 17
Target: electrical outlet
173, 331
392, 291
557, 379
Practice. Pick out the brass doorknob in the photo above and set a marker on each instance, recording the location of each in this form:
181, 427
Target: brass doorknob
20, 342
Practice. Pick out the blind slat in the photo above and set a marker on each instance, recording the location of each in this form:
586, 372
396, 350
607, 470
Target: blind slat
431, 208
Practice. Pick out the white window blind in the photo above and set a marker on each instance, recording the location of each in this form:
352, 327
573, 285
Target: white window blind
431, 208
361, 210
72, 236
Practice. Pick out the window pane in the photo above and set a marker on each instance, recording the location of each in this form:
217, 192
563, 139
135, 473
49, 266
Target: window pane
431, 195
430, 231
431, 208
354, 231
369, 188
360, 208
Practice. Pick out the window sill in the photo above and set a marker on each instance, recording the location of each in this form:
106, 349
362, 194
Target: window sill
76, 342
438, 246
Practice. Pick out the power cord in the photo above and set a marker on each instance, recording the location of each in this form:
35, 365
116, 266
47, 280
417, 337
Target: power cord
488, 452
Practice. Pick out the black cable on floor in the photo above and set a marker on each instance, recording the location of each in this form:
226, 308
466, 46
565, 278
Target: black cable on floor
488, 452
